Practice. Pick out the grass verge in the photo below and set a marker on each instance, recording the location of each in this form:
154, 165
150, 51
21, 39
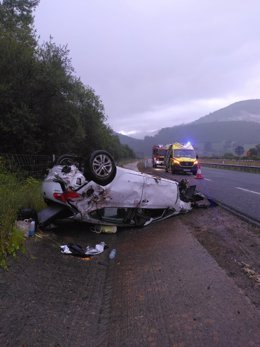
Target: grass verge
15, 193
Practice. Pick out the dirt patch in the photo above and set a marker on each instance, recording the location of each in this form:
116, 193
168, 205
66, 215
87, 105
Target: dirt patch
233, 243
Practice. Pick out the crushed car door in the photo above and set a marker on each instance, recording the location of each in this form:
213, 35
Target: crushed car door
124, 191
159, 193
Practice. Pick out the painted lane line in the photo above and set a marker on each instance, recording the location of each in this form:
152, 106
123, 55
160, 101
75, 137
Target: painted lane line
207, 179
247, 190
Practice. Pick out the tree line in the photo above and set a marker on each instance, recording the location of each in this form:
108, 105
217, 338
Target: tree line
254, 152
44, 107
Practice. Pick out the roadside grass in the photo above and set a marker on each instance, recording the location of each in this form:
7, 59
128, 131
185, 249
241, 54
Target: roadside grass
15, 193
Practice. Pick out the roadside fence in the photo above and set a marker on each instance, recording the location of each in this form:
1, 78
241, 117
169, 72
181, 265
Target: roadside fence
26, 164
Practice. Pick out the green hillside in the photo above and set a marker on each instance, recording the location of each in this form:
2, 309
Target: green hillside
246, 110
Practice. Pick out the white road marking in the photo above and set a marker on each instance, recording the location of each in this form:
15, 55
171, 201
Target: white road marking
207, 179
247, 190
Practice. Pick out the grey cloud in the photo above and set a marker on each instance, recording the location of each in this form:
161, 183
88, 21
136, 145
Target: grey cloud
144, 56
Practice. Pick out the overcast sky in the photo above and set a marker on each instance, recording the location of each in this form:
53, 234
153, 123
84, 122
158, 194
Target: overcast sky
159, 63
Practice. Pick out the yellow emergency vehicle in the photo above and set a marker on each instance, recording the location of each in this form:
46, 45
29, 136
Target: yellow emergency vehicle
181, 158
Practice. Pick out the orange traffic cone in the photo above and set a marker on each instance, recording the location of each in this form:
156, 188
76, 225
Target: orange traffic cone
199, 174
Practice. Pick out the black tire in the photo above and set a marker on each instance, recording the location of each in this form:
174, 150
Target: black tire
68, 159
172, 170
100, 167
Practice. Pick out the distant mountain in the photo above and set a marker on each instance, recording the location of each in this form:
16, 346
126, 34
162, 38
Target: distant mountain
247, 110
215, 134
212, 138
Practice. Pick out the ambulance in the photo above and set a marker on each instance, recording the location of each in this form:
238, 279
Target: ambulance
181, 158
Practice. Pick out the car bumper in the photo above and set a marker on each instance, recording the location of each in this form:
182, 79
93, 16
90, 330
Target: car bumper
185, 168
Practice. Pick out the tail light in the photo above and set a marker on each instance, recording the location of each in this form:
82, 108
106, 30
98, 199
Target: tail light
65, 196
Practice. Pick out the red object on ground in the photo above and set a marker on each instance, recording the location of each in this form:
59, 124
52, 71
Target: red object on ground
199, 174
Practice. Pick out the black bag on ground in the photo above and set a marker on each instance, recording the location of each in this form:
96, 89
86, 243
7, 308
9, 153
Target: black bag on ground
76, 249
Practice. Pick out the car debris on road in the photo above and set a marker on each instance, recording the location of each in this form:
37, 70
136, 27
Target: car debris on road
78, 250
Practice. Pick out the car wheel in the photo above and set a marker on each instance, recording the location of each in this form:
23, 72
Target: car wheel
68, 159
100, 167
172, 170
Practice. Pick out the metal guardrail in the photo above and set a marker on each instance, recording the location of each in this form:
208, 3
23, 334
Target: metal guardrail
246, 168
236, 212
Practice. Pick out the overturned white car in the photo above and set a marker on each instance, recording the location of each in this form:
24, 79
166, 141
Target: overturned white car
99, 192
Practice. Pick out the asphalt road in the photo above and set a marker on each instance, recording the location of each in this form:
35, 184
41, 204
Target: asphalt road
162, 289
239, 190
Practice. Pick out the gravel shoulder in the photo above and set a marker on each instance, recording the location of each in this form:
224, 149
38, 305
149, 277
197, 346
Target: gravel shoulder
231, 241
189, 280
163, 288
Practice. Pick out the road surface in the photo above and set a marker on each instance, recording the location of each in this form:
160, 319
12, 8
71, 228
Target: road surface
239, 190
163, 288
